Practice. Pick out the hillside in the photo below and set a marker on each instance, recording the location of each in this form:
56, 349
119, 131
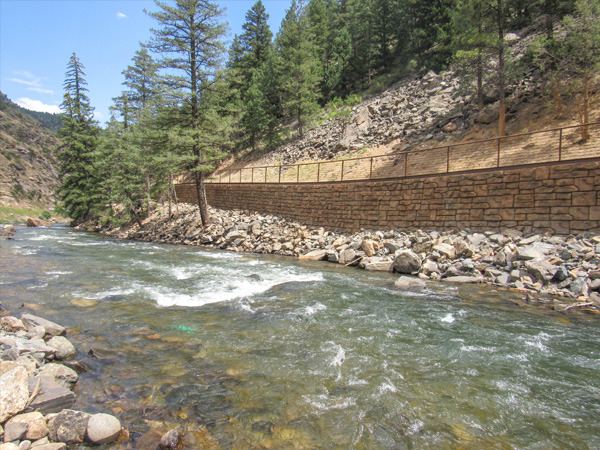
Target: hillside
425, 112
28, 164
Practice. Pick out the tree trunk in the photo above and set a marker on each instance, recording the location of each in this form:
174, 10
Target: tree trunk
147, 194
501, 74
585, 130
202, 203
479, 79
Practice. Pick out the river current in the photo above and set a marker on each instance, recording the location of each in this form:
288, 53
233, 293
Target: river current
248, 351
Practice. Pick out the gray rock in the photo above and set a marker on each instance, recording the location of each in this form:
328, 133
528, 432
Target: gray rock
392, 246
315, 255
61, 374
348, 256
368, 246
20, 345
560, 275
406, 261
405, 282
11, 324
52, 397
64, 348
170, 440
445, 249
503, 279
36, 425
103, 428
52, 328
541, 270
579, 286
528, 253
50, 446
375, 264
14, 392
68, 426
465, 279
15, 431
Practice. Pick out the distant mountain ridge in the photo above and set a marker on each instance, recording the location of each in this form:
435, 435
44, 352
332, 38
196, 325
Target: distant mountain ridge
28, 159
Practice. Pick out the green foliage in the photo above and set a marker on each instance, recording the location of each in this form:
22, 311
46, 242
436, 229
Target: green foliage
79, 190
17, 190
46, 215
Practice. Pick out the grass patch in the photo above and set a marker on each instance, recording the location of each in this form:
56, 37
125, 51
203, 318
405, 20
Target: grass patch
9, 214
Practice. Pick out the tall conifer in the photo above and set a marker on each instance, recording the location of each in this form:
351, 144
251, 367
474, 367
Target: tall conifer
79, 136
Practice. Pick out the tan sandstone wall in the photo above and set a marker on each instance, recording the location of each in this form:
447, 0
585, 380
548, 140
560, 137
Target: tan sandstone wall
562, 198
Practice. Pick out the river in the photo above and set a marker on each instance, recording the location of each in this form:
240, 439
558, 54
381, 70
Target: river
250, 351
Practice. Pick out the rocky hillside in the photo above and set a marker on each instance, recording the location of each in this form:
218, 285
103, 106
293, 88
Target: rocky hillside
424, 112
28, 164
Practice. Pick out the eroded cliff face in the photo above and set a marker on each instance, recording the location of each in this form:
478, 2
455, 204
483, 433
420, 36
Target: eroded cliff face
28, 163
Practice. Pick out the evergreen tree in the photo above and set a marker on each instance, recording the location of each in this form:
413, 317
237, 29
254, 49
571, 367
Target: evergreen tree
142, 80
263, 103
254, 42
79, 136
300, 75
190, 44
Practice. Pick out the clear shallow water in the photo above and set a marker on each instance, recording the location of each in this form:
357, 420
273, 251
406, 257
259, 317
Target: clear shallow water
309, 355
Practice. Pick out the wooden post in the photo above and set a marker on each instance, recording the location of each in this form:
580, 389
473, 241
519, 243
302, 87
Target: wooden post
318, 172
298, 173
560, 144
342, 174
252, 179
371, 169
498, 164
279, 174
265, 174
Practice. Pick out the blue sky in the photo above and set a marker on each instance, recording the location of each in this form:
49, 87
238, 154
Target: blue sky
37, 37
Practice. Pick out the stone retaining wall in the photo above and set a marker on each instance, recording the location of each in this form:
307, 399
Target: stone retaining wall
562, 198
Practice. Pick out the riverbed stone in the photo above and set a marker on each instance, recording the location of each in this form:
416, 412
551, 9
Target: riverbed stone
37, 427
406, 282
170, 440
32, 346
53, 329
64, 348
11, 324
68, 426
103, 428
14, 392
315, 255
15, 431
541, 270
62, 374
406, 261
52, 396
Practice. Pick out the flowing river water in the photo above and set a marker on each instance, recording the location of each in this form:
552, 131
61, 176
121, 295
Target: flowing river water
245, 351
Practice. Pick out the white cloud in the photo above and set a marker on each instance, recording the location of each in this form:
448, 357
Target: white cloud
36, 105
120, 15
28, 79
43, 91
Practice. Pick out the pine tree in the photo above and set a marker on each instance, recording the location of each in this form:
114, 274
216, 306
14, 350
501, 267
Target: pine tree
79, 136
300, 75
142, 80
189, 42
254, 42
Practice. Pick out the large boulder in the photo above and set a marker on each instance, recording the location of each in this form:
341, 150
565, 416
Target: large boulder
11, 324
31, 222
62, 374
541, 270
14, 392
406, 261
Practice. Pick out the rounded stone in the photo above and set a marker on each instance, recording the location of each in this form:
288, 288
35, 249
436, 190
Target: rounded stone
103, 428
64, 348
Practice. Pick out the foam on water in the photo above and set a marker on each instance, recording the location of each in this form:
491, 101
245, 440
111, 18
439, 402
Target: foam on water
448, 318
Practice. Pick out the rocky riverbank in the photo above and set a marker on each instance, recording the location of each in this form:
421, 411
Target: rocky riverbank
554, 272
37, 374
